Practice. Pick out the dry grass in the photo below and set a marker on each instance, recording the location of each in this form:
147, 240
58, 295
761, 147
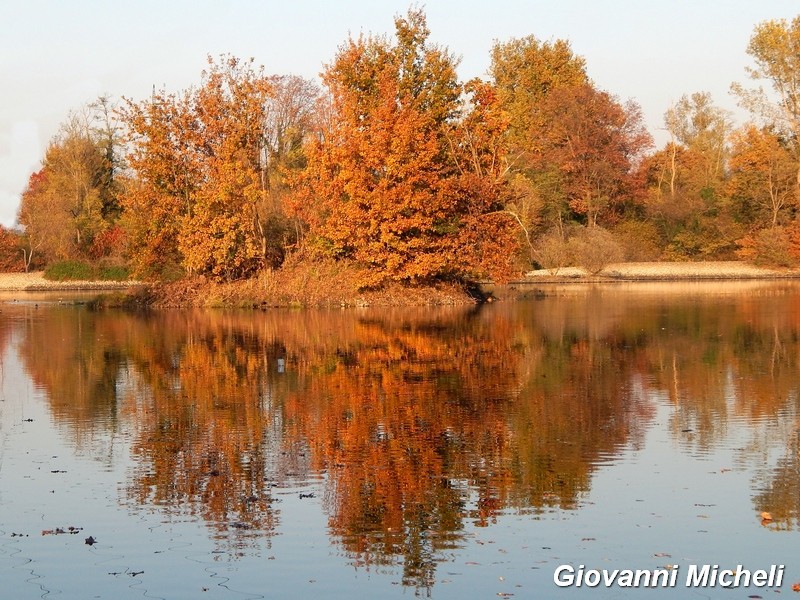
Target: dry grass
302, 283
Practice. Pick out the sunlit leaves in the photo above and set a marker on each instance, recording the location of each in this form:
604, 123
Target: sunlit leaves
208, 171
384, 187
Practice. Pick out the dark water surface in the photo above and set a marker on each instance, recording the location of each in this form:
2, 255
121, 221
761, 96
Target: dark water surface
451, 453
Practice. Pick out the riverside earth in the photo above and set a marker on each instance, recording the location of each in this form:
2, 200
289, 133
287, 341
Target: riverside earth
634, 270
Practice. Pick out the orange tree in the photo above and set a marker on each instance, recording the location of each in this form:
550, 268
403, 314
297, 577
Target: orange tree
198, 186
395, 182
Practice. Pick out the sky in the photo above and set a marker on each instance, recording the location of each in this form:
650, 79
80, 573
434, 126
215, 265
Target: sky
56, 55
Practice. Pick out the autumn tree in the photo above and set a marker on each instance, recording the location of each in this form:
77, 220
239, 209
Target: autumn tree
66, 204
761, 188
762, 176
197, 158
12, 251
292, 115
686, 181
525, 71
592, 144
209, 167
775, 49
386, 186
572, 149
695, 123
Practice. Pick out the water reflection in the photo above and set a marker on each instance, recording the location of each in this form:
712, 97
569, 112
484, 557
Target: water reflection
419, 422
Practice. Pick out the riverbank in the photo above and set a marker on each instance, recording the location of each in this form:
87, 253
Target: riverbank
35, 282
664, 271
335, 289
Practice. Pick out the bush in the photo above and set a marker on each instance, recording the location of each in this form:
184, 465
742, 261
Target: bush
114, 273
593, 248
641, 240
70, 270
771, 247
551, 251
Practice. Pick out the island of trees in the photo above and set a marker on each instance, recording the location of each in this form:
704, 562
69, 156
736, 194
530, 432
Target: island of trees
395, 173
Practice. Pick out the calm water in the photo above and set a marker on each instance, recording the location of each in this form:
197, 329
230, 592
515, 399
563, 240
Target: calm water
451, 453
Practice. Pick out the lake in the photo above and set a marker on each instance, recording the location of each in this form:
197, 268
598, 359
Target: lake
454, 452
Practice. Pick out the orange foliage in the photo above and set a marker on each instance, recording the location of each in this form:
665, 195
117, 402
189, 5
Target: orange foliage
396, 184
198, 159
11, 255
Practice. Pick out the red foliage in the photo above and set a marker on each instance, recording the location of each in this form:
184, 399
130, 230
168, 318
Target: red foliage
11, 257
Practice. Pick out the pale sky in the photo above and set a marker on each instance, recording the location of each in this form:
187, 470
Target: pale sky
57, 55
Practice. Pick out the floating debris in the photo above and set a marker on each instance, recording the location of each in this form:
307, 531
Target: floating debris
90, 541
61, 530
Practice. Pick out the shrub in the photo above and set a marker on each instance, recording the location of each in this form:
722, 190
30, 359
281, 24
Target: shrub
593, 248
768, 247
640, 240
552, 252
69, 270
114, 273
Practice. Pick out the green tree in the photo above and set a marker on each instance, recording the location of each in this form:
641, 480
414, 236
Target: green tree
525, 71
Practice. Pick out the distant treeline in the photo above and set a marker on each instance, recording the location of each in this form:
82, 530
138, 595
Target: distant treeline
402, 173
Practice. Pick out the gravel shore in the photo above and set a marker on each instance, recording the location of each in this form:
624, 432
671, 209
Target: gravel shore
35, 282
668, 271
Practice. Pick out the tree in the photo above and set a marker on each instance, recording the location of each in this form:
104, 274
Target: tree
63, 207
199, 160
210, 171
762, 176
525, 71
703, 128
161, 188
775, 48
592, 145
386, 186
291, 116
12, 251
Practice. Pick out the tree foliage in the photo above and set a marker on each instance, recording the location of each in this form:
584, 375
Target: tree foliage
70, 200
775, 49
208, 162
395, 183
407, 174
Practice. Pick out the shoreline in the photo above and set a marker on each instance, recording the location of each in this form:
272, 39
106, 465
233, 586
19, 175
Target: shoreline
244, 294
35, 282
661, 271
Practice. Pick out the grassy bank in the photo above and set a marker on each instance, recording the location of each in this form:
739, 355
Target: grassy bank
331, 284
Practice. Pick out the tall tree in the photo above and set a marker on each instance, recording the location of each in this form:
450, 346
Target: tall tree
62, 209
762, 177
525, 71
384, 187
594, 145
703, 128
775, 48
209, 168
292, 115
686, 179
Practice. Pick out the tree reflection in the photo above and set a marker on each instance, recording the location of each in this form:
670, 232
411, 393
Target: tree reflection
420, 423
